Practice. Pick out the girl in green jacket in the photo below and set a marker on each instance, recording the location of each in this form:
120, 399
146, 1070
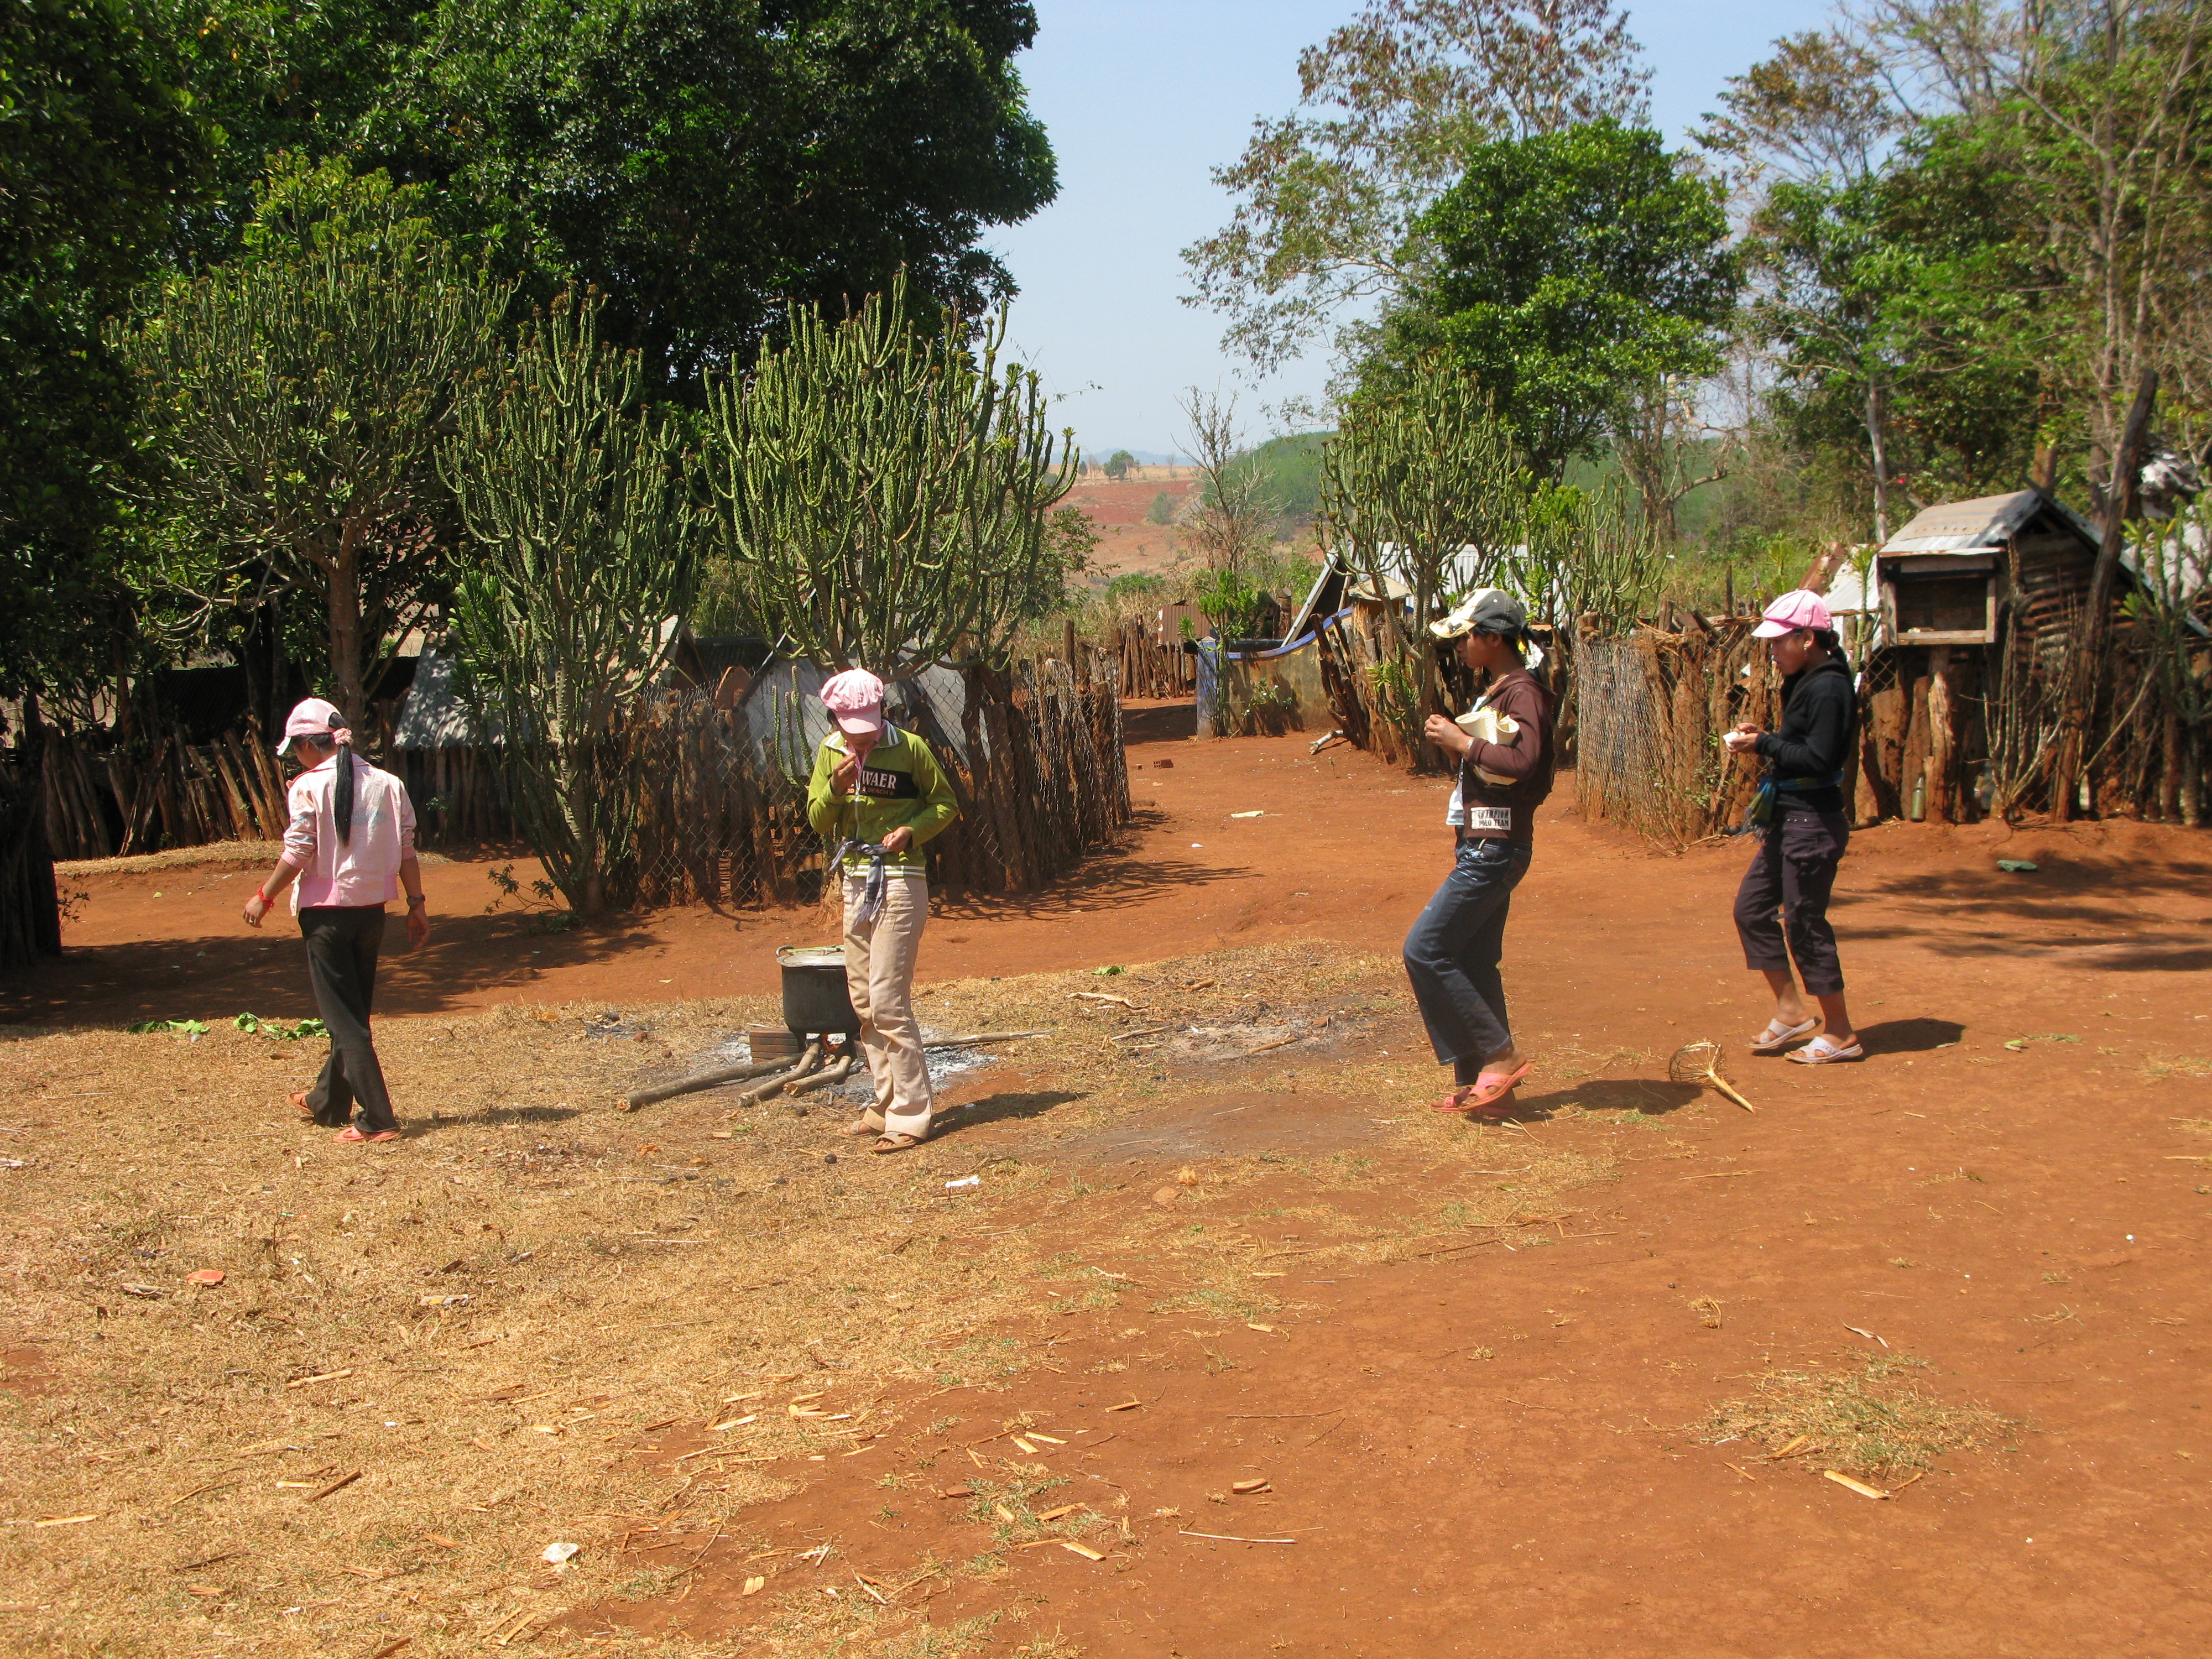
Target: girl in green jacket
880, 794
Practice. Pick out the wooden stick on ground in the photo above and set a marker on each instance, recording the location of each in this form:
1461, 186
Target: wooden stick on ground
829, 1077
809, 1061
713, 1079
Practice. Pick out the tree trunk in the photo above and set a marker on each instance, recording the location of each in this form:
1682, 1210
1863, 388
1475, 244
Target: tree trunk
344, 574
30, 913
1878, 447
2169, 771
2089, 643
1941, 717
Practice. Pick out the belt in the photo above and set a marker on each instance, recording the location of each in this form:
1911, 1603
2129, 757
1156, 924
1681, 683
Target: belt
1760, 813
871, 896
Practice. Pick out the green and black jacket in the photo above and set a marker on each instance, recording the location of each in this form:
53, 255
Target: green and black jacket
900, 784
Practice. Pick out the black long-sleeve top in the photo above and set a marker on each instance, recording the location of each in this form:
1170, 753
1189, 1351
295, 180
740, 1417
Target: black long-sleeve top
1819, 712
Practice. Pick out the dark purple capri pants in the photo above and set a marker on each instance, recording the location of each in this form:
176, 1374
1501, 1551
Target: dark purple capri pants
1785, 893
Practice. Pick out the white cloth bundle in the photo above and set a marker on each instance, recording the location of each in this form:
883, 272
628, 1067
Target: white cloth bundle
1486, 725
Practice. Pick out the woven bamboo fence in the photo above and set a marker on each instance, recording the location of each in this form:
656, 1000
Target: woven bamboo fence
123, 797
1652, 708
1036, 767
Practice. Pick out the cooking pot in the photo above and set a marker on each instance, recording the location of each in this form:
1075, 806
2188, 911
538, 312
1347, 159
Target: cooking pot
815, 1000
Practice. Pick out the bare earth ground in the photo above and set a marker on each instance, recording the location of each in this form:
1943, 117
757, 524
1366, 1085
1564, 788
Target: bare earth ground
1127, 542
1511, 1390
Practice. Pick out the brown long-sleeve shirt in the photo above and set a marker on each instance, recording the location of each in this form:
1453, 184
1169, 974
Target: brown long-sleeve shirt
1509, 811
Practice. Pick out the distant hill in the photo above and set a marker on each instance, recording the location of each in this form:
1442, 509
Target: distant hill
1292, 465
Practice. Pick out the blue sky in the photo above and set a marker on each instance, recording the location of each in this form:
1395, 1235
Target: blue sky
1142, 98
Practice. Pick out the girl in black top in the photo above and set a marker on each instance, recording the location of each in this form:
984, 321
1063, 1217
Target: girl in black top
1805, 835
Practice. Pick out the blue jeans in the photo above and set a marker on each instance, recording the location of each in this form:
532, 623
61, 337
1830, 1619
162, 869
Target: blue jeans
1452, 952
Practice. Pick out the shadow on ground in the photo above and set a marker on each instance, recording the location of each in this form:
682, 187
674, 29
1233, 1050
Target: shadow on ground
1909, 1036
1652, 1096
1002, 1108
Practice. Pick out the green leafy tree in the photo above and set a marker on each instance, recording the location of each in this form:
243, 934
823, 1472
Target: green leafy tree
1910, 318
883, 492
99, 152
277, 79
705, 163
1421, 482
299, 395
1389, 105
1118, 465
1071, 540
1572, 270
585, 545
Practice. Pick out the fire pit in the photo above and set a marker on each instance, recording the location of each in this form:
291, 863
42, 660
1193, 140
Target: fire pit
815, 1000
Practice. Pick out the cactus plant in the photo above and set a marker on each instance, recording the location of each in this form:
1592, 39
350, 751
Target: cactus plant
883, 491
588, 545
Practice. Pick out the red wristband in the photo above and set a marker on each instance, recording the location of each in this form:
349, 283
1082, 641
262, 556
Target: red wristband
262, 897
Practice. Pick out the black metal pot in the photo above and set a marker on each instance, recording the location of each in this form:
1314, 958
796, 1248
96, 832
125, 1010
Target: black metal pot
815, 1000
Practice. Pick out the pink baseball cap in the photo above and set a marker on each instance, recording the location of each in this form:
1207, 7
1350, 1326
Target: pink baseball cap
1799, 608
856, 698
316, 717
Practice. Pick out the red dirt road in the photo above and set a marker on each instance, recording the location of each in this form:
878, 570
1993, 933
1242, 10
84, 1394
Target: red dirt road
169, 944
1495, 1452
2031, 1221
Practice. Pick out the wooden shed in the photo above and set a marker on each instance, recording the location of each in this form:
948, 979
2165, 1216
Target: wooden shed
1977, 602
1946, 576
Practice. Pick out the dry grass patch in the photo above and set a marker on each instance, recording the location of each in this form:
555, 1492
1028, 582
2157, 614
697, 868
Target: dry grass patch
541, 1320
1870, 1420
2160, 1067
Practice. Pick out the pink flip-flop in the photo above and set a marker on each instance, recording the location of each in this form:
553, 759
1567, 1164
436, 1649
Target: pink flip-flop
349, 1133
1493, 1088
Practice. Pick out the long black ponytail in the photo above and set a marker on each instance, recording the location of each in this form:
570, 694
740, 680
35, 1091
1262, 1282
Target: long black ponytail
342, 784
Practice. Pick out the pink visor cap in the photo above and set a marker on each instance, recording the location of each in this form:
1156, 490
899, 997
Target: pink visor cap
1800, 608
855, 698
316, 717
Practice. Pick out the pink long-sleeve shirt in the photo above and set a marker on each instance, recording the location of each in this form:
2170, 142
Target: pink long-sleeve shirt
361, 872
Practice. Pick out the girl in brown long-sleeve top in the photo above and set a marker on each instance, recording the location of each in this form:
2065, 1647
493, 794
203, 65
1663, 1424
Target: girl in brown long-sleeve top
1452, 953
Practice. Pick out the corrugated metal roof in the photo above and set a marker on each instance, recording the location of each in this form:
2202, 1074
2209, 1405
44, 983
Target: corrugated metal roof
1984, 521
1847, 592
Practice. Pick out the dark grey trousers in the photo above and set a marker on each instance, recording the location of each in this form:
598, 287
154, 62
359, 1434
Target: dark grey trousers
1793, 873
343, 941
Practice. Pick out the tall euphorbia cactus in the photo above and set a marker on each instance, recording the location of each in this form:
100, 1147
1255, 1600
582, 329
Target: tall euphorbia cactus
882, 493
587, 547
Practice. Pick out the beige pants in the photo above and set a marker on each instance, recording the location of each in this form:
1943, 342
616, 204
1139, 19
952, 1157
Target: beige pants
879, 957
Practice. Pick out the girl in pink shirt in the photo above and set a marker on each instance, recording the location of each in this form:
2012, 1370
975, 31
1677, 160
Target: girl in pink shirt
350, 847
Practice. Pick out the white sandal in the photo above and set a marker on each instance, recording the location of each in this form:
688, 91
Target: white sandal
1825, 1050
1778, 1036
